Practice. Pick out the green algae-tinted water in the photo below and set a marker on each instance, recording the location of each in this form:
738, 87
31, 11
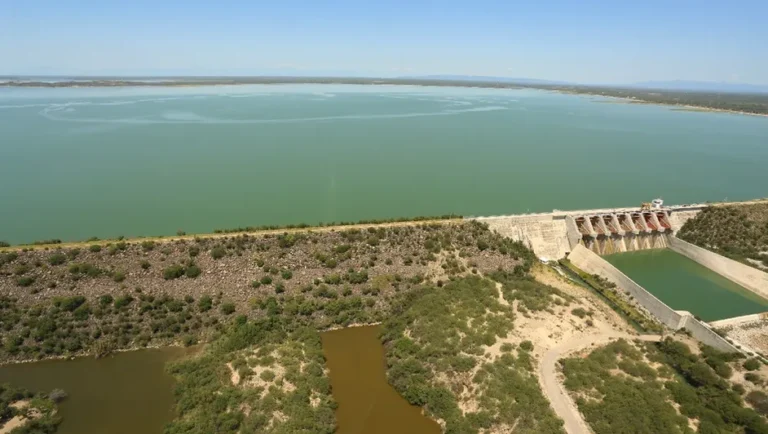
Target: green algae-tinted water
686, 285
127, 393
367, 403
82, 162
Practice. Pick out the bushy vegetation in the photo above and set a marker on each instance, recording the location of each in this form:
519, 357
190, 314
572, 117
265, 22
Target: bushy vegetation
533, 295
739, 232
270, 287
739, 102
209, 401
618, 390
442, 333
616, 299
75, 325
43, 404
325, 224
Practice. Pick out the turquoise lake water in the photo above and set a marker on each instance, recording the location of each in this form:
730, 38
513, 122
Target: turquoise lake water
82, 162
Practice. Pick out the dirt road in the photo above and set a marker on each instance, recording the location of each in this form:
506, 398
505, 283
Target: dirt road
559, 399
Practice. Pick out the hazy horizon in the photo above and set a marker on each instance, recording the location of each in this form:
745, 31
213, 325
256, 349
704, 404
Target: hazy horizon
589, 43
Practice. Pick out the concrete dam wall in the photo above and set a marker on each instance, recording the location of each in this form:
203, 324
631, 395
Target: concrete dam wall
604, 231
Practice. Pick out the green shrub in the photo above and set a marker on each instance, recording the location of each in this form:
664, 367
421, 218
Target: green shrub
82, 313
148, 246
255, 284
287, 274
118, 276
94, 248
752, 364
227, 308
69, 303
753, 378
25, 281
105, 300
57, 259
145, 265
579, 312
205, 304
266, 280
526, 345
357, 277
194, 251
218, 252
21, 269
173, 272
759, 401
89, 270
193, 271
738, 388
279, 288
123, 301
333, 279
267, 375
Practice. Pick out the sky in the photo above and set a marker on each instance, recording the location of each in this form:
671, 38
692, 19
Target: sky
583, 41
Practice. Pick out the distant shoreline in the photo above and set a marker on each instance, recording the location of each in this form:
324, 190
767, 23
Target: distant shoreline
675, 107
753, 104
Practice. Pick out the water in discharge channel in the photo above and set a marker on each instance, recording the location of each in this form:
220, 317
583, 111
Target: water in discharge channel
683, 284
368, 404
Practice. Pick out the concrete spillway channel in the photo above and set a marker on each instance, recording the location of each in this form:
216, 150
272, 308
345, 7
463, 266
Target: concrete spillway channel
585, 236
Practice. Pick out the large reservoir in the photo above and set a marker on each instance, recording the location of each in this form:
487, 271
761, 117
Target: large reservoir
83, 162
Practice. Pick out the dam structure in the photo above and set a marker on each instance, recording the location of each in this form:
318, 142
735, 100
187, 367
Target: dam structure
603, 231
584, 236
622, 231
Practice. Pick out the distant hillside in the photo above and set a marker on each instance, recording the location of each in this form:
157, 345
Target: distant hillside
738, 232
482, 78
702, 86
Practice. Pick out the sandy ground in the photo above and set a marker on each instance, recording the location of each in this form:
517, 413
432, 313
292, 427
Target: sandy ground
752, 336
556, 336
18, 421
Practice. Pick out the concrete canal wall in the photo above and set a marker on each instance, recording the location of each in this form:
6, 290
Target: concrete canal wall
592, 263
744, 275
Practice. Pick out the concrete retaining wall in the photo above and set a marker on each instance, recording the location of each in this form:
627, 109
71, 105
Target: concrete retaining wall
738, 320
591, 263
746, 276
705, 334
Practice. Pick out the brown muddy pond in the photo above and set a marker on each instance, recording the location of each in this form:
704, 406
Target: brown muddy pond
367, 403
127, 393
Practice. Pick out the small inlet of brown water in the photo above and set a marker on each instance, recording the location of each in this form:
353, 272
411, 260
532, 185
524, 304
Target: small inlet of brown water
367, 403
126, 393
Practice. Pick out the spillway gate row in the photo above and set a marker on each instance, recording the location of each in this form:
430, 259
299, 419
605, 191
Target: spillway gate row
618, 232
